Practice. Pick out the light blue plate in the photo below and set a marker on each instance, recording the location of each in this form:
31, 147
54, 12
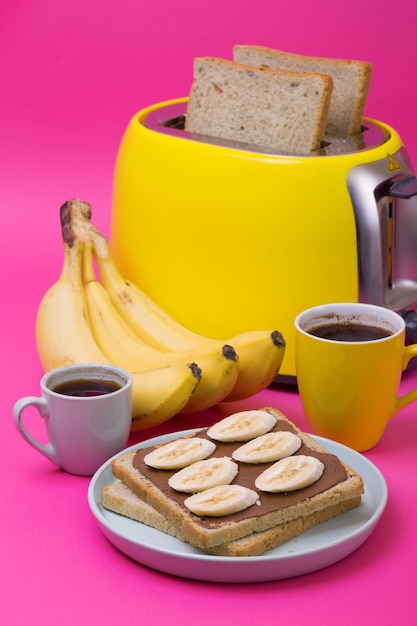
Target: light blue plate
315, 549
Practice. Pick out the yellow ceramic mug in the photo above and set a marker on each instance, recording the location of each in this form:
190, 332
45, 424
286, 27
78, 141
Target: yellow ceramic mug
349, 382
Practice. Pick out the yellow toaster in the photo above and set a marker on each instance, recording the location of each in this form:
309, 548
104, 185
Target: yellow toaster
227, 237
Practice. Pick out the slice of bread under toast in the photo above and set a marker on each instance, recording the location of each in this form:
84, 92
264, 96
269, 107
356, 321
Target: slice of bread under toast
278, 110
117, 497
144, 495
351, 81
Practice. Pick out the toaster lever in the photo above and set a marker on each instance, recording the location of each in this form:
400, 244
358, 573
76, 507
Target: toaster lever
404, 188
410, 319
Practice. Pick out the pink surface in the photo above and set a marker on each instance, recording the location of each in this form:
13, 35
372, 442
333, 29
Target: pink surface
72, 75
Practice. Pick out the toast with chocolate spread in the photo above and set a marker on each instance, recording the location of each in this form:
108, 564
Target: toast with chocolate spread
144, 493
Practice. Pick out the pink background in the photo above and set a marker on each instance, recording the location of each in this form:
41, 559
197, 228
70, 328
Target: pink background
72, 75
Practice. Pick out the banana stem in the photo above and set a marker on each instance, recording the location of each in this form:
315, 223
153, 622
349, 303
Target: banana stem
72, 265
73, 270
75, 221
88, 273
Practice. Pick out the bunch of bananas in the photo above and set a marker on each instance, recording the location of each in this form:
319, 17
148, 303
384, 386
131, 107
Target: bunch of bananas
99, 317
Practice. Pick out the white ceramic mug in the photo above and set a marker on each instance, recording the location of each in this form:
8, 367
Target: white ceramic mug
88, 414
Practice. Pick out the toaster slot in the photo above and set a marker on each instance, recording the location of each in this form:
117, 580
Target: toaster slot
175, 122
169, 118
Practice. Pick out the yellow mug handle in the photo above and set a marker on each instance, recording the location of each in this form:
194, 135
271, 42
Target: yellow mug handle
402, 401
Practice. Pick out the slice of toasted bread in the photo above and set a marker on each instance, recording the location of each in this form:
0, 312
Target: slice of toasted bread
337, 486
278, 110
351, 81
117, 497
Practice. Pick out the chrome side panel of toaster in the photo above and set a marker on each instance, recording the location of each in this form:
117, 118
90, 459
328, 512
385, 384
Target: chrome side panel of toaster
386, 233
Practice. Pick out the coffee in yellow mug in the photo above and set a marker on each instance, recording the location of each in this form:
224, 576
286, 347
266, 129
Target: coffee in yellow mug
349, 362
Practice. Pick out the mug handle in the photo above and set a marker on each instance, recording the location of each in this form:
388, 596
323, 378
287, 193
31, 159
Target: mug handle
41, 405
409, 352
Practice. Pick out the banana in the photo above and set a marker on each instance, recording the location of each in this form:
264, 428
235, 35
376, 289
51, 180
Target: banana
161, 393
222, 500
204, 475
242, 426
179, 453
268, 448
290, 474
219, 362
63, 337
220, 370
62, 332
260, 352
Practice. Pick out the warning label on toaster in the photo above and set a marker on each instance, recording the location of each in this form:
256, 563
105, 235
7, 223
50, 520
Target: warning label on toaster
393, 165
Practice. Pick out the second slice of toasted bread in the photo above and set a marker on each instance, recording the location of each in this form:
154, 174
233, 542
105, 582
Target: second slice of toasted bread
117, 497
351, 81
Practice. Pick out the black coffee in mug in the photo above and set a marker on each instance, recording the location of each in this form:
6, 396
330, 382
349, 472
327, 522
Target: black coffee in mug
349, 331
85, 388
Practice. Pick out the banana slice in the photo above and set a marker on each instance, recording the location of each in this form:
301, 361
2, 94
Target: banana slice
223, 500
294, 472
242, 426
268, 448
180, 453
204, 475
